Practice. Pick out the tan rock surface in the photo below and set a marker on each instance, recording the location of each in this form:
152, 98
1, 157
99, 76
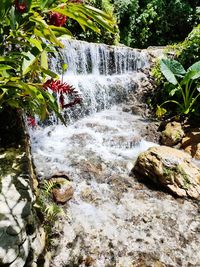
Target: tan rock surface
191, 143
172, 169
172, 134
64, 191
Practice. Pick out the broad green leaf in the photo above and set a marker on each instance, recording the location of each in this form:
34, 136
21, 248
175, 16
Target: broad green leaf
44, 30
50, 73
196, 68
188, 76
44, 60
76, 14
98, 12
166, 71
27, 62
100, 17
88, 16
5, 67
7, 59
13, 103
35, 43
59, 31
12, 18
5, 74
170, 69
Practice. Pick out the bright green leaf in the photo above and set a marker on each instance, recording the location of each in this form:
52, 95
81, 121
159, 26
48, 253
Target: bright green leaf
26, 65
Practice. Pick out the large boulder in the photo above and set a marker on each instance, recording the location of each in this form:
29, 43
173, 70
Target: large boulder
171, 168
172, 134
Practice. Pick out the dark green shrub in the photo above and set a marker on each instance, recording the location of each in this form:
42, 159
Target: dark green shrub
144, 23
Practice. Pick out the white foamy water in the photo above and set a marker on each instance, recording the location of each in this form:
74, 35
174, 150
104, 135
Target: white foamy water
111, 135
113, 220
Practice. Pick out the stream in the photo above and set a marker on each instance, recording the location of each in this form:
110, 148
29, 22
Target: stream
112, 219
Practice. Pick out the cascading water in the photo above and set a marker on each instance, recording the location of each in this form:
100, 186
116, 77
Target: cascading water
112, 219
103, 75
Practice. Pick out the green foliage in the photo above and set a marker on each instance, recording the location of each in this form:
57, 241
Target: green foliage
26, 38
185, 85
92, 36
188, 51
49, 210
144, 23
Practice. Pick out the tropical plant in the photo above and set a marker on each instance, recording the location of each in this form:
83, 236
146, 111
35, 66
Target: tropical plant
49, 212
184, 84
106, 37
29, 31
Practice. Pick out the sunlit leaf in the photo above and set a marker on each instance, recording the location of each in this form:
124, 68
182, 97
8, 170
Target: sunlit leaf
27, 62
170, 69
160, 111
44, 60
36, 43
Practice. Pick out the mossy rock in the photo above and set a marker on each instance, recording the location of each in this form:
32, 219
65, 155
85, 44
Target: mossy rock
170, 168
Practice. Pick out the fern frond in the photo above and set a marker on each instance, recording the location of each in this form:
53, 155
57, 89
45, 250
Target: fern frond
48, 186
53, 211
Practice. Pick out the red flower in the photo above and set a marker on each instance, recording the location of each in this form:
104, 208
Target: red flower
20, 6
57, 19
31, 121
63, 88
58, 87
77, 100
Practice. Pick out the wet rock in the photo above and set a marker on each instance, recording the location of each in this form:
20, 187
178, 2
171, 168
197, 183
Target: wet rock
93, 168
63, 191
191, 143
172, 134
170, 168
126, 108
89, 261
138, 109
89, 195
151, 132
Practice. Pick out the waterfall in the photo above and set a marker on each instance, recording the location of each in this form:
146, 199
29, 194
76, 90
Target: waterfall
103, 75
112, 219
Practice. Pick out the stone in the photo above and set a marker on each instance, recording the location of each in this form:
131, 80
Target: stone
63, 192
151, 132
16, 193
88, 194
172, 134
170, 168
191, 143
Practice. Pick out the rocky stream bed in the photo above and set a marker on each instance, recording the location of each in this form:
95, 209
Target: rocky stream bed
113, 219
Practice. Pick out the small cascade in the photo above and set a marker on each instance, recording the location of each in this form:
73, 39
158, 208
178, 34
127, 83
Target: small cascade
103, 75
84, 58
112, 219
